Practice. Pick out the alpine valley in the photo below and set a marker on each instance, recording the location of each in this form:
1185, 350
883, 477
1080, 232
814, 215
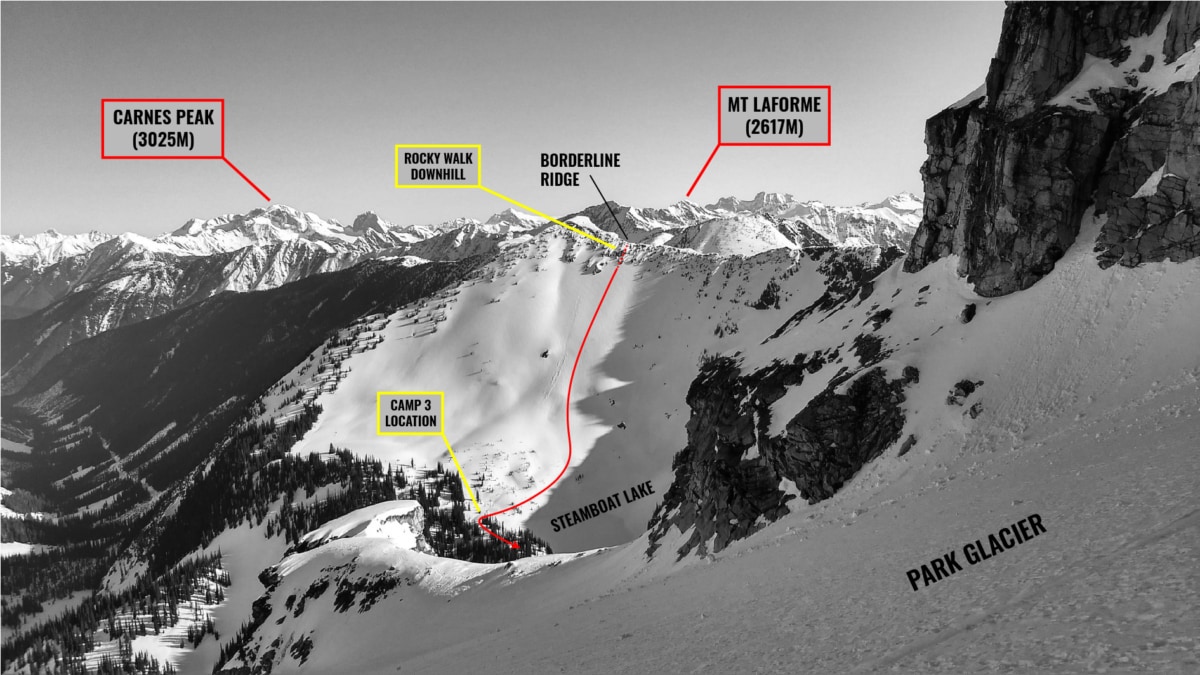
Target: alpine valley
939, 434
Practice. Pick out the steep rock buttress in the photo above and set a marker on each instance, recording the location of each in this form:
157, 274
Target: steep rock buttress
1084, 104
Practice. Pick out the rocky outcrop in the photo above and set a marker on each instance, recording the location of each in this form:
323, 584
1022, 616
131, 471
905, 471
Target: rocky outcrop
717, 491
849, 276
836, 434
1151, 187
1011, 172
724, 491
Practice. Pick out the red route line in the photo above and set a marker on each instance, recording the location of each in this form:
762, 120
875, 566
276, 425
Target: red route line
705, 168
570, 384
239, 172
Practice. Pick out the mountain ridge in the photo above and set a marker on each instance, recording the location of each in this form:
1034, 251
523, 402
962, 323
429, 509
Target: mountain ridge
819, 413
280, 222
64, 288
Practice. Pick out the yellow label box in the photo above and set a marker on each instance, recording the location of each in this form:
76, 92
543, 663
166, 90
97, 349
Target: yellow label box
438, 166
410, 413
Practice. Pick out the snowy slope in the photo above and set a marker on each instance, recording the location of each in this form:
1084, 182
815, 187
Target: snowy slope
1090, 411
261, 249
501, 347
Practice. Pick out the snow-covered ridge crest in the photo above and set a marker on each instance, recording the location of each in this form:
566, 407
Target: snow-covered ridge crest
46, 248
279, 223
510, 219
889, 222
267, 247
263, 227
768, 221
401, 521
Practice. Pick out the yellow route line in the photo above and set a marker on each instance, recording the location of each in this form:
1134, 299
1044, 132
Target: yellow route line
463, 476
530, 209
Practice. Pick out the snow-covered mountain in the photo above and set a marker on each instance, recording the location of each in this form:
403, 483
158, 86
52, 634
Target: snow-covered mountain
783, 444
773, 202
969, 414
512, 219
46, 248
976, 419
131, 278
745, 234
776, 402
891, 222
29, 285
275, 224
260, 249
769, 220
69, 288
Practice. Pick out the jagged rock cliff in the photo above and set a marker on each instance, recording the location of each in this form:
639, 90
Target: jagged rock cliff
718, 490
723, 491
1084, 105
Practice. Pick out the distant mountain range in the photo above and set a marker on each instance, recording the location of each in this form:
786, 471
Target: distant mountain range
59, 289
890, 222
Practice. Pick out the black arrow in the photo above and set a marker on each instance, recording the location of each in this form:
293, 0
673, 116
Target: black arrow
610, 209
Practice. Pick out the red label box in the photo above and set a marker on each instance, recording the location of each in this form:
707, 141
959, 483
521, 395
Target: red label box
163, 122
788, 111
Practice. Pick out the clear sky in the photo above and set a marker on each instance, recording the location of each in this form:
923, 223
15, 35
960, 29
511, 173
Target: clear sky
318, 94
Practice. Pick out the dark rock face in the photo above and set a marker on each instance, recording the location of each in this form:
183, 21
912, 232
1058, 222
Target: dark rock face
715, 489
722, 495
1010, 175
961, 391
849, 276
836, 434
1164, 225
967, 313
